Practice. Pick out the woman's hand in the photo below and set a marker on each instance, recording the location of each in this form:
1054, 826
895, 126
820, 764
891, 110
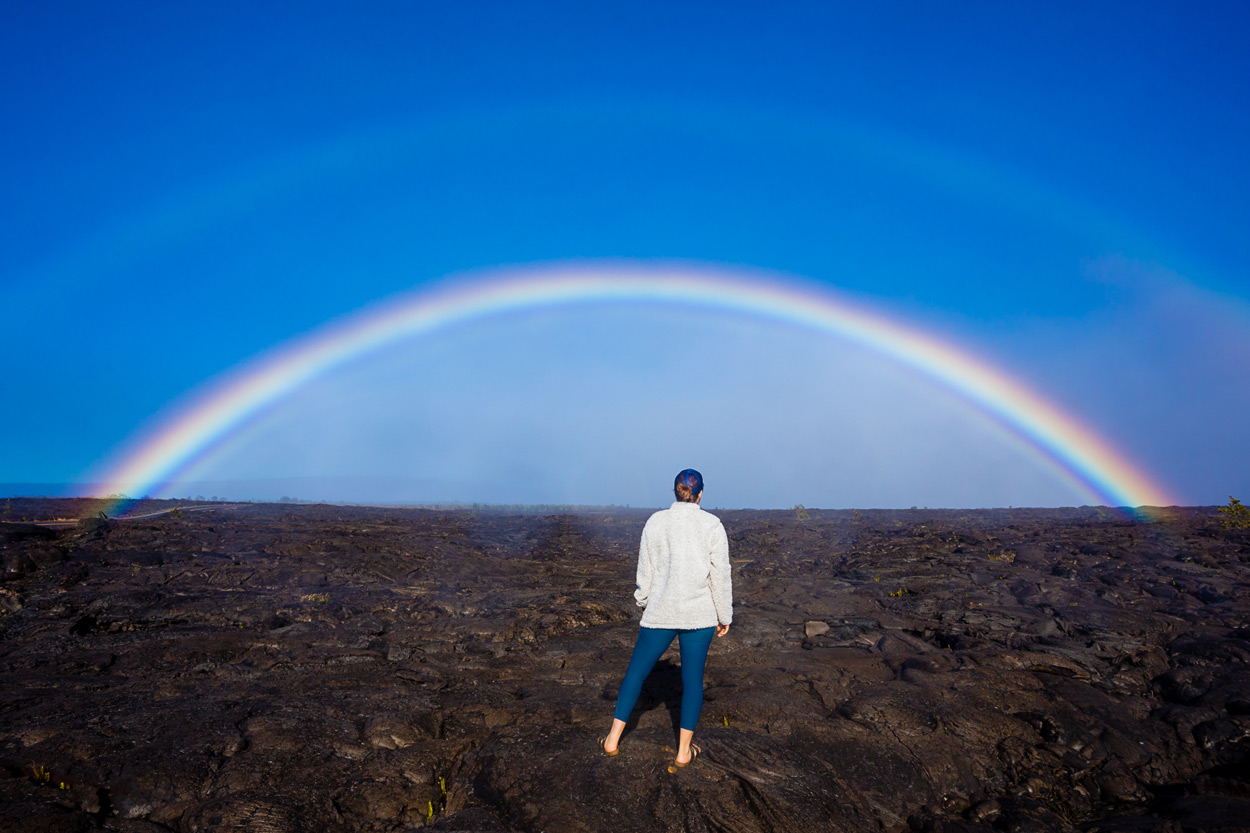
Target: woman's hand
721, 630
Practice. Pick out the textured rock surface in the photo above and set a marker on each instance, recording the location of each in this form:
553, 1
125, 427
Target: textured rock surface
311, 668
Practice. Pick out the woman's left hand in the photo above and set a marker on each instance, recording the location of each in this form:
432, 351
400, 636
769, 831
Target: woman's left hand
721, 630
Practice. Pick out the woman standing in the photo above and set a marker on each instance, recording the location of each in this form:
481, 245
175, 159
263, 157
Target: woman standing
684, 589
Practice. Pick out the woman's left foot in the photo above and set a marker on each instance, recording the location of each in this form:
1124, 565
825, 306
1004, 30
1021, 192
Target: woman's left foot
603, 744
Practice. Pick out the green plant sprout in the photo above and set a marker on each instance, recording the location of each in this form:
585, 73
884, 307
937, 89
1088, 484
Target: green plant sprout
43, 775
1236, 514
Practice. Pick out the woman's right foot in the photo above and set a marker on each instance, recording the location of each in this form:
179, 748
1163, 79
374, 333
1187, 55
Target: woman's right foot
693, 753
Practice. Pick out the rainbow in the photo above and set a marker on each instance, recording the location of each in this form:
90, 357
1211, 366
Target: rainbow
1088, 461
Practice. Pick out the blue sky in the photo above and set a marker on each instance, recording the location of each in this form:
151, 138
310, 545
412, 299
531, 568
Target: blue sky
1060, 188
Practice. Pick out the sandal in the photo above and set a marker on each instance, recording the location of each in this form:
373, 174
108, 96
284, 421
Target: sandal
603, 744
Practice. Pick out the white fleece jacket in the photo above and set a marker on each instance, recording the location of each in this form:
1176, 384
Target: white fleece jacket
683, 570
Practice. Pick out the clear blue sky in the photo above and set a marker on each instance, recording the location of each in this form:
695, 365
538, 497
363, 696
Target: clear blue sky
1060, 187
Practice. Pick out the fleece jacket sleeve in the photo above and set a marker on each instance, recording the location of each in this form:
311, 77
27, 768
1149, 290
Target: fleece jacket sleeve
719, 577
644, 569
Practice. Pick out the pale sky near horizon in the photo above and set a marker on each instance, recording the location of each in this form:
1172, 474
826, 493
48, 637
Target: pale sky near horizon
1059, 188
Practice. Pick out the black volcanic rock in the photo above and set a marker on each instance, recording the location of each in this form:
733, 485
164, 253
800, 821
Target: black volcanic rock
322, 668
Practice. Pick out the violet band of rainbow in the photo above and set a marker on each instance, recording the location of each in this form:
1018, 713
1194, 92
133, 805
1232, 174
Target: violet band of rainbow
1092, 464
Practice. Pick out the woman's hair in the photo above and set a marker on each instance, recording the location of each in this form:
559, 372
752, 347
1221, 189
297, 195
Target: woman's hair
688, 486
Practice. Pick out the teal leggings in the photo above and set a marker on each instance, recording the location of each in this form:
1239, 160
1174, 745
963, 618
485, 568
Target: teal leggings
652, 642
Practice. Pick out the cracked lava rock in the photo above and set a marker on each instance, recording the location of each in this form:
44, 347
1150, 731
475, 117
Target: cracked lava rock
309, 668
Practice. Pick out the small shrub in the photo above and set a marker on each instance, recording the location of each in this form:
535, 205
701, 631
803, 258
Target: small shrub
800, 512
1236, 514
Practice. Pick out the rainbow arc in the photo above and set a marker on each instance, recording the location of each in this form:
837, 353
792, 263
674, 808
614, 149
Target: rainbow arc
1089, 461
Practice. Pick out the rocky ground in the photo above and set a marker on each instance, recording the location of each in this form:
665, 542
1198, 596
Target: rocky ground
319, 668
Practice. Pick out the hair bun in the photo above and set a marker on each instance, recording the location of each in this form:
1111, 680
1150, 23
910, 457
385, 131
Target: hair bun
688, 485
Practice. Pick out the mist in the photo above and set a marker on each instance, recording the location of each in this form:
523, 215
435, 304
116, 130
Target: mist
604, 404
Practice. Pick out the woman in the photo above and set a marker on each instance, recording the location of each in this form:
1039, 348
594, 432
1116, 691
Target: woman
684, 590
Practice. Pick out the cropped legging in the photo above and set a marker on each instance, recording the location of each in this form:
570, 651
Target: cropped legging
652, 642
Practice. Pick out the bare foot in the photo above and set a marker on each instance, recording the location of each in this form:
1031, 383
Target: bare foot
610, 741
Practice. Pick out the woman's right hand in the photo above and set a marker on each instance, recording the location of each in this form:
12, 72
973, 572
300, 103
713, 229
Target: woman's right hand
721, 630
